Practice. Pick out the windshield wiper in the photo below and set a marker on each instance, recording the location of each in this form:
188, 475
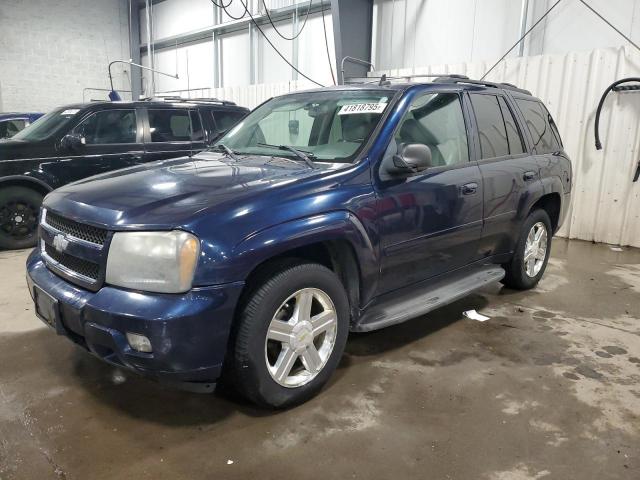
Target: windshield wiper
221, 147
304, 156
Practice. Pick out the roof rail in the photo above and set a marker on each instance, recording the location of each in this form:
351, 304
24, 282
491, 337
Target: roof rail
484, 83
177, 99
437, 78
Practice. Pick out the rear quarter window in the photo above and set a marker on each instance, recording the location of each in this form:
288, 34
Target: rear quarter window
545, 135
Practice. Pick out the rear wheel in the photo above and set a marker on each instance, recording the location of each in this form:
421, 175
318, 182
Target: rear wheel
291, 335
19, 207
529, 261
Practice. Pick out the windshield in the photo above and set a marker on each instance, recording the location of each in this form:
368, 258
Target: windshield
47, 125
328, 126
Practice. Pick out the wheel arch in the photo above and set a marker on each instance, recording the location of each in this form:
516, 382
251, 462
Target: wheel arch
27, 182
552, 204
336, 240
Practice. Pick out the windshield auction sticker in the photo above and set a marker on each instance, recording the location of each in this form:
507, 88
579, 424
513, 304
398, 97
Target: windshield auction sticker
362, 108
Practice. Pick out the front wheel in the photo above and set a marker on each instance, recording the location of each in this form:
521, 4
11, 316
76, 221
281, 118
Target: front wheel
291, 335
19, 207
529, 261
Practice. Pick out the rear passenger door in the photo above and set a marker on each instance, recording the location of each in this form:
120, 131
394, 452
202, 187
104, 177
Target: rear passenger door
168, 133
510, 174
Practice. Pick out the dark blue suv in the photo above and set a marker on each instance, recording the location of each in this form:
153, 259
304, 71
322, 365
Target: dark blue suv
322, 212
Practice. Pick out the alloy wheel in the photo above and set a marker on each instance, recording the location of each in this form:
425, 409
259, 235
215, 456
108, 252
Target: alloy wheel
301, 337
535, 249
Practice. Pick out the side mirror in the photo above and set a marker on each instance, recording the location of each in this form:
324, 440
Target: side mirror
72, 141
411, 158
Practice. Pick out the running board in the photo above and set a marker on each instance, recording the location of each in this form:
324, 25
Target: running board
393, 308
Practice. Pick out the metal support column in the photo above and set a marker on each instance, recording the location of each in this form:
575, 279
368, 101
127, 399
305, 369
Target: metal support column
152, 83
523, 25
217, 49
134, 49
295, 20
352, 26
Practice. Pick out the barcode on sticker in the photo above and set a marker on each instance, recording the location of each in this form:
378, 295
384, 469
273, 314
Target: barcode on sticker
362, 108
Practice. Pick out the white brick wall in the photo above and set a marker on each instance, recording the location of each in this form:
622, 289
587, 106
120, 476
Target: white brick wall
50, 50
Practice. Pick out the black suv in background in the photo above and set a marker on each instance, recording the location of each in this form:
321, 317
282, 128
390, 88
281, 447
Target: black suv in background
79, 141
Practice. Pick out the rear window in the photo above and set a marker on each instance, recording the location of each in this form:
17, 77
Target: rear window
546, 138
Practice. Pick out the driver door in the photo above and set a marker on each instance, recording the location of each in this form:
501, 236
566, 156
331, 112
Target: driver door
112, 139
430, 221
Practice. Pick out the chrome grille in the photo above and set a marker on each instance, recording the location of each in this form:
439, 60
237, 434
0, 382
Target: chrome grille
75, 265
75, 229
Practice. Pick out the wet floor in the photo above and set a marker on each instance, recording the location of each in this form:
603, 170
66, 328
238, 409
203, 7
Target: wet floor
548, 388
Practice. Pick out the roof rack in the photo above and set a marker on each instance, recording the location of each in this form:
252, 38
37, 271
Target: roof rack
484, 83
437, 78
177, 99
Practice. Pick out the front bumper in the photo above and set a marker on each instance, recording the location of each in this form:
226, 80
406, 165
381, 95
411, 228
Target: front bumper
188, 332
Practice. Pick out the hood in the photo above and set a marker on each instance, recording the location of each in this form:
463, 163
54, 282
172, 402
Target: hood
172, 193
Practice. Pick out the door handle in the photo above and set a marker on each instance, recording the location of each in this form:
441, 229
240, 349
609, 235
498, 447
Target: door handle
469, 188
528, 176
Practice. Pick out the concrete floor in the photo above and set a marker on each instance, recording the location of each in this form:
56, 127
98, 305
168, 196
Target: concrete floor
548, 388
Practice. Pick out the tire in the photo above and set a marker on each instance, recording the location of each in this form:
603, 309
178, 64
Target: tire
254, 358
520, 275
19, 210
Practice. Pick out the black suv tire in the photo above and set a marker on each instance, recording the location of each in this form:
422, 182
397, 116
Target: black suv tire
517, 276
19, 209
280, 294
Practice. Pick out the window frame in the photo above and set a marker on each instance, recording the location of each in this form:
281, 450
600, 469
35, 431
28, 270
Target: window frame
441, 168
516, 117
89, 114
203, 127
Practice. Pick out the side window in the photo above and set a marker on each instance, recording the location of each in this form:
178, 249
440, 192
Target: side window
436, 120
491, 126
513, 134
9, 128
169, 125
108, 127
539, 123
225, 120
198, 131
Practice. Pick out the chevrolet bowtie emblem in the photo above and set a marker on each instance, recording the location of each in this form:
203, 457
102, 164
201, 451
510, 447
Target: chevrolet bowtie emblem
60, 243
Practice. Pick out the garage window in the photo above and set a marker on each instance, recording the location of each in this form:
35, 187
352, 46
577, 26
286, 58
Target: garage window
170, 125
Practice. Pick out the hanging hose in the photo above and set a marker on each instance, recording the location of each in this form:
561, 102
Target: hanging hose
604, 96
616, 88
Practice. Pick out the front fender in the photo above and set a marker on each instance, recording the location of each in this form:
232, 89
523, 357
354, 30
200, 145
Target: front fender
271, 242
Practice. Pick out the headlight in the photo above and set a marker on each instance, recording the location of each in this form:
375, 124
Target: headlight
153, 261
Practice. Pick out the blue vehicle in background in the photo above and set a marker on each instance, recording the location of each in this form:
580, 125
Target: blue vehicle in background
322, 212
12, 122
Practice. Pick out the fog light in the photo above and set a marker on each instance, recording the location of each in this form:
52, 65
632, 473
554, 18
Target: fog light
139, 342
